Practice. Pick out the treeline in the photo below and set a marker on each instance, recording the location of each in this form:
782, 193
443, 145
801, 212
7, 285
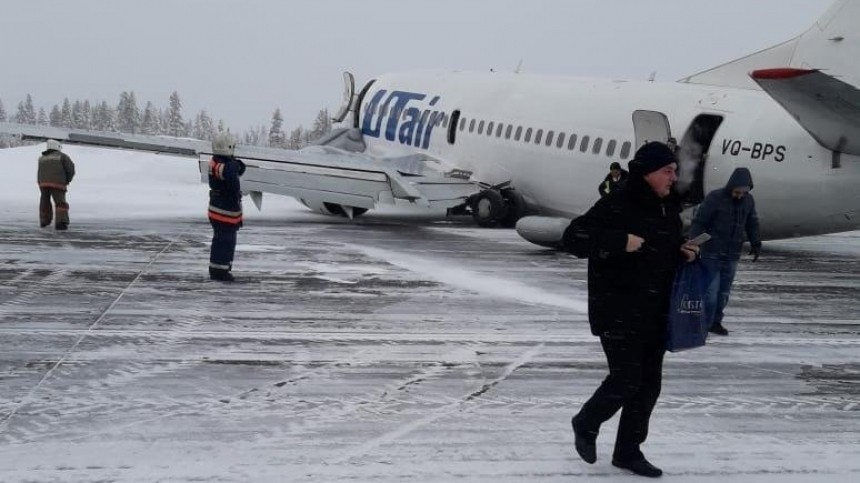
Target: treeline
127, 117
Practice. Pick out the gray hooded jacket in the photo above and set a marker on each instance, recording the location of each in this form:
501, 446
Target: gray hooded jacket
727, 220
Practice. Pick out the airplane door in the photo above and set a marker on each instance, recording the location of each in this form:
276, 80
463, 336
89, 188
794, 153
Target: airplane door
348, 94
650, 126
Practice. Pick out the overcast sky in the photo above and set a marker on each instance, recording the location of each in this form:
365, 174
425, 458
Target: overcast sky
242, 58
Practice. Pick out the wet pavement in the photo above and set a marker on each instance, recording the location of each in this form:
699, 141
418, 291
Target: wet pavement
394, 349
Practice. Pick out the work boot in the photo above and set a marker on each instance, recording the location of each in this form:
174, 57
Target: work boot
639, 466
585, 442
62, 226
718, 329
221, 275
43, 225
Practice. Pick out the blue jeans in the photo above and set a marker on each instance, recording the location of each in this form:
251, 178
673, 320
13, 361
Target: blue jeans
722, 273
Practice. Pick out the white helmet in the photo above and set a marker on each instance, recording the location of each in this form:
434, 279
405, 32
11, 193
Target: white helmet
53, 144
223, 144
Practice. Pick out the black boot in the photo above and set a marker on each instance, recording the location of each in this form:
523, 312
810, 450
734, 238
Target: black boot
220, 274
62, 226
584, 441
718, 329
639, 466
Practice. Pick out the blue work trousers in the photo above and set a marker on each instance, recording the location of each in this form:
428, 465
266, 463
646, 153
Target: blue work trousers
722, 273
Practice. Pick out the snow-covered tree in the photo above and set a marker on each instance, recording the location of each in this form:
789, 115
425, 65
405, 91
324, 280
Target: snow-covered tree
277, 139
297, 138
175, 124
104, 118
86, 115
127, 113
321, 127
2, 112
55, 116
203, 126
43, 117
151, 123
26, 112
66, 119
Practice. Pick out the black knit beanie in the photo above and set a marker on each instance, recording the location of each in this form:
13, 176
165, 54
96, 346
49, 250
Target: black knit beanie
651, 157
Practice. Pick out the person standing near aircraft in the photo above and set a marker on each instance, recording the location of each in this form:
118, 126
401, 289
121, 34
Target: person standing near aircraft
613, 180
634, 245
56, 171
225, 206
726, 214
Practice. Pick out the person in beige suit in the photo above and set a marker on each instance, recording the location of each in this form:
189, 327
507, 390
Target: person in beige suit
56, 171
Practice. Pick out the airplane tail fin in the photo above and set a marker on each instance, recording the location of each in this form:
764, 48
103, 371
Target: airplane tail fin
830, 45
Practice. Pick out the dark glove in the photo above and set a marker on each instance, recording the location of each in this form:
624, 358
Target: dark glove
755, 251
242, 166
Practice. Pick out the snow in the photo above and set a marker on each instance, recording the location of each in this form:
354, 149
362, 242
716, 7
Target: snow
393, 348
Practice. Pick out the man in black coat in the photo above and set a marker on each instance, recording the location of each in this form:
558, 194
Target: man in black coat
225, 206
614, 180
727, 214
634, 245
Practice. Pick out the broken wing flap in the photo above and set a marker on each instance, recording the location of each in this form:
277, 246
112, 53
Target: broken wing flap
134, 142
826, 107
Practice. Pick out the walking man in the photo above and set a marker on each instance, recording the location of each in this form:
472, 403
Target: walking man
225, 206
634, 245
727, 214
613, 180
56, 171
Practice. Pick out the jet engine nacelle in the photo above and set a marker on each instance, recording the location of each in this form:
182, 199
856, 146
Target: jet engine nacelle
545, 231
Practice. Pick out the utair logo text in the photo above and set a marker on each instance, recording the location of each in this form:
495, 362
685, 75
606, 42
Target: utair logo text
394, 116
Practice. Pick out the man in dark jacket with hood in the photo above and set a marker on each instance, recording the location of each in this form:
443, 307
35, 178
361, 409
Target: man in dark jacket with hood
634, 245
726, 214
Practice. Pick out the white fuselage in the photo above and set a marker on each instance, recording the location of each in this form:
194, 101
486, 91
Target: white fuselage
797, 190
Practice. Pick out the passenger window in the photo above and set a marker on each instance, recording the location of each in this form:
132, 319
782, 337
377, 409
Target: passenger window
463, 124
610, 148
472, 126
490, 127
481, 127
519, 133
549, 137
583, 146
571, 144
499, 130
598, 143
508, 131
625, 150
528, 137
538, 136
560, 141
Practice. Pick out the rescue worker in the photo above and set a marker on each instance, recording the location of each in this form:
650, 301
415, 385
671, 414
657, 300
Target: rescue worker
225, 206
613, 180
56, 171
633, 241
727, 214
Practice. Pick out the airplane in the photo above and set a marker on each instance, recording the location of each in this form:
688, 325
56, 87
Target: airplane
529, 151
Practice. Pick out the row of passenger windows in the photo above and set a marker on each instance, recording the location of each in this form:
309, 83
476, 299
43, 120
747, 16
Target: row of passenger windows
549, 138
560, 140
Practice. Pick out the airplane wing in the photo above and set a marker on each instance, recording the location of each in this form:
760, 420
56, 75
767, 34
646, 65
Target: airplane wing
321, 174
826, 107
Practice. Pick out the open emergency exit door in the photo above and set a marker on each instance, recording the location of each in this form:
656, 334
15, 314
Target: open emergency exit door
650, 126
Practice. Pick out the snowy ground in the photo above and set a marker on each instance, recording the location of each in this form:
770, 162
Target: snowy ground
391, 349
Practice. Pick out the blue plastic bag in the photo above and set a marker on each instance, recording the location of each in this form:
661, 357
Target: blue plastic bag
688, 322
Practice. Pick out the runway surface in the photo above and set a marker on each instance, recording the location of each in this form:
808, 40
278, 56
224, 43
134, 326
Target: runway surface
394, 349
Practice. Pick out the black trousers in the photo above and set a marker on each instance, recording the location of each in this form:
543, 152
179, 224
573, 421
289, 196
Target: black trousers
633, 385
223, 245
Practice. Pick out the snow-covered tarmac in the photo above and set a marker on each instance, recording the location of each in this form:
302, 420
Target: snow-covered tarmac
390, 349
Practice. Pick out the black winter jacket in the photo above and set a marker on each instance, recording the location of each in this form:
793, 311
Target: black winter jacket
628, 293
727, 219
608, 185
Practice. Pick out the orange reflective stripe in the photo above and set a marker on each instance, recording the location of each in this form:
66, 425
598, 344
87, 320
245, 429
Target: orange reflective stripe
216, 169
233, 220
